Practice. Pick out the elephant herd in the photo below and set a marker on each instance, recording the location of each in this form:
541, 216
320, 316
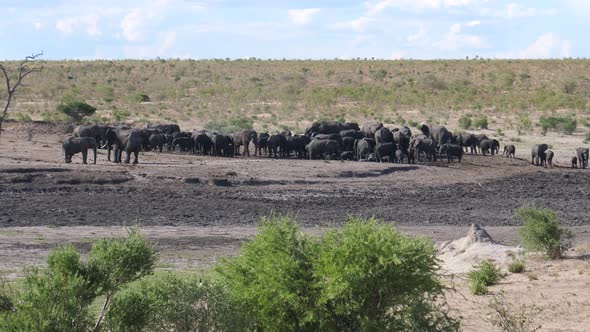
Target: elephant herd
322, 140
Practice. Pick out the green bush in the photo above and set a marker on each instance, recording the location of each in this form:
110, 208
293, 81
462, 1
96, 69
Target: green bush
465, 122
74, 107
230, 125
366, 276
542, 232
138, 97
566, 125
412, 123
481, 122
167, 302
58, 298
587, 137
484, 275
516, 266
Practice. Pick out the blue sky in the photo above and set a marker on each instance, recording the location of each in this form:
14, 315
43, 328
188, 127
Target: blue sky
322, 29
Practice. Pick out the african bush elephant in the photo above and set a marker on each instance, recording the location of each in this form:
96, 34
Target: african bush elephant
426, 146
222, 145
169, 129
244, 138
440, 134
468, 142
323, 148
538, 154
185, 144
369, 128
297, 143
574, 162
509, 151
145, 136
479, 138
386, 149
550, 156
202, 142
128, 140
582, 155
98, 132
452, 151
383, 135
262, 143
495, 146
356, 134
276, 144
74, 145
486, 145
157, 141
363, 147
324, 127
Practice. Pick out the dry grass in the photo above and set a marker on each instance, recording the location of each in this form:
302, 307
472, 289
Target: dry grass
292, 93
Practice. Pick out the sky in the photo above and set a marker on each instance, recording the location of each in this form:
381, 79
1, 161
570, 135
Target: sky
321, 29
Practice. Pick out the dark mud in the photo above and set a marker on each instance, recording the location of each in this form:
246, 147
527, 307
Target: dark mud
104, 199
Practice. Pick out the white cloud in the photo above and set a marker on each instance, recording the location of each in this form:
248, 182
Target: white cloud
420, 35
302, 16
69, 26
132, 23
514, 11
37, 25
455, 39
397, 55
376, 7
548, 45
161, 48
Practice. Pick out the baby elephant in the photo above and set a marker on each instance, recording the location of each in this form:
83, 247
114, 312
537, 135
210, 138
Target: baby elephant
451, 150
550, 156
509, 150
574, 162
75, 145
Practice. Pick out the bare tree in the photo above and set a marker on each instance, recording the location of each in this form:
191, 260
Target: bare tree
22, 71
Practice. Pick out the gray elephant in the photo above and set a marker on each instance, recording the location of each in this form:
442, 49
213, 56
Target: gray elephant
582, 155
486, 146
539, 155
202, 142
98, 132
550, 156
262, 143
222, 145
387, 150
383, 135
128, 140
468, 142
323, 149
509, 151
574, 162
479, 138
364, 147
495, 146
424, 145
169, 129
452, 151
244, 138
157, 141
324, 127
369, 128
276, 144
297, 144
74, 145
440, 134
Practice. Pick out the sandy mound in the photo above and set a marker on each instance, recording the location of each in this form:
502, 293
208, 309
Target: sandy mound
459, 256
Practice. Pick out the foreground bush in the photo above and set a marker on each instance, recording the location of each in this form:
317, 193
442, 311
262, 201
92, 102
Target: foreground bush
58, 298
366, 276
484, 275
541, 232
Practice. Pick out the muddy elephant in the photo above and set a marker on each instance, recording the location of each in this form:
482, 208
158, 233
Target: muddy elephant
486, 146
157, 141
509, 151
539, 155
169, 129
549, 154
324, 127
244, 138
582, 155
440, 134
383, 135
74, 145
468, 142
424, 145
369, 128
128, 140
451, 151
276, 144
98, 132
262, 143
385, 150
320, 149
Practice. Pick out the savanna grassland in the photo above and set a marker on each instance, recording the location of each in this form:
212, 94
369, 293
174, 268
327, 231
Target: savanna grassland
272, 94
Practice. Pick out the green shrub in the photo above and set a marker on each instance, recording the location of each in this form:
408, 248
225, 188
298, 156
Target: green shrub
484, 275
587, 137
22, 117
366, 276
74, 107
481, 122
566, 125
167, 302
412, 123
512, 316
231, 124
465, 122
138, 97
516, 266
58, 298
541, 232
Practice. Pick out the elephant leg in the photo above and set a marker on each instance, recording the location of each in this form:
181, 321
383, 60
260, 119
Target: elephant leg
84, 155
127, 157
94, 149
135, 157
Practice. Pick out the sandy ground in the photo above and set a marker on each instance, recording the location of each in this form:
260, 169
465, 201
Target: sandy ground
195, 211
